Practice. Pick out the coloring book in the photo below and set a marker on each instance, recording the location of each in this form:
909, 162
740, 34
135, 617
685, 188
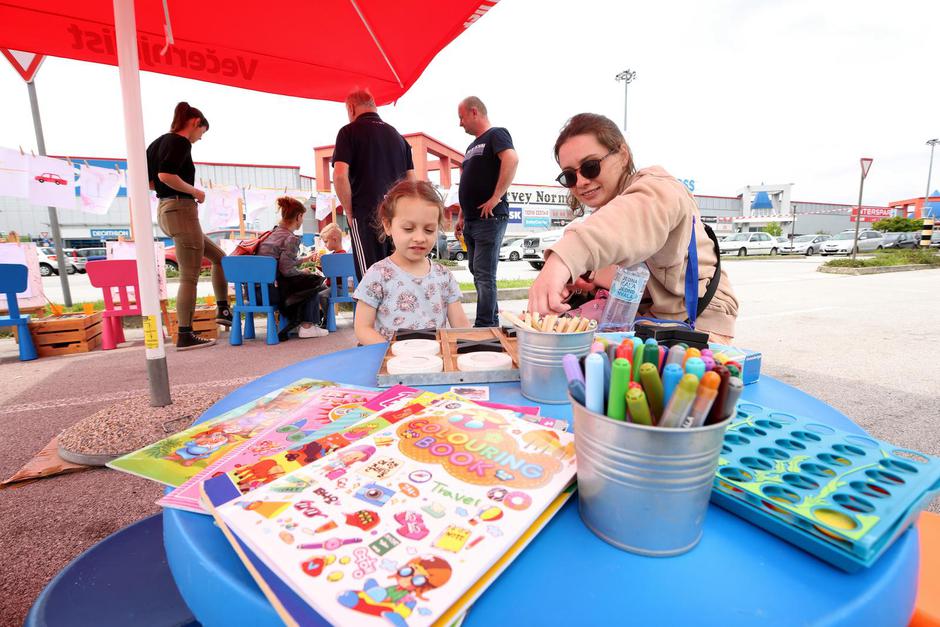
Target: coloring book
180, 457
326, 410
405, 531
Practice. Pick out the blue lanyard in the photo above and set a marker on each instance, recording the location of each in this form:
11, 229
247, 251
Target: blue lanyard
691, 279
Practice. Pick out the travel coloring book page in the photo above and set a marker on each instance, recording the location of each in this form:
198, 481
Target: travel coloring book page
402, 531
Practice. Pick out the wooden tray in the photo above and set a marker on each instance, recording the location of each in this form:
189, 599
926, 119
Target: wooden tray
451, 374
65, 334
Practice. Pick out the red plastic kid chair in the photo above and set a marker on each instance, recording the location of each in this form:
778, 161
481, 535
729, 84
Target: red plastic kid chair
119, 274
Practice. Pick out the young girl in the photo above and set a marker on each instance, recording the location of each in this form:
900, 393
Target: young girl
406, 290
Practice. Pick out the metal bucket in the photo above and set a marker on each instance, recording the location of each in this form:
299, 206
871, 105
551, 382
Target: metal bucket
644, 489
541, 374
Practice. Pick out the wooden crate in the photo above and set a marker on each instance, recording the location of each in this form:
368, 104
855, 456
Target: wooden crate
65, 334
448, 339
204, 323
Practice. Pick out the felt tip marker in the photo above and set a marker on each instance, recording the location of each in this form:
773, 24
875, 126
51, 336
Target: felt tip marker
735, 387
572, 368
671, 375
639, 410
650, 351
695, 365
676, 355
606, 375
625, 351
576, 389
611, 352
619, 384
690, 353
715, 414
594, 383
638, 350
707, 352
681, 402
597, 347
704, 399
662, 357
734, 371
709, 362
653, 385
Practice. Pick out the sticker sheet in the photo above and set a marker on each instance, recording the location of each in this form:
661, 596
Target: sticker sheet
182, 456
400, 531
250, 460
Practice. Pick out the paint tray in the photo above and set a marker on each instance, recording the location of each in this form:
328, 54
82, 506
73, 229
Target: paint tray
843, 497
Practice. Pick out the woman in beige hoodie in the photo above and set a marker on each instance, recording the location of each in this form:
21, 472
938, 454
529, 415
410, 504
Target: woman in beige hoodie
640, 216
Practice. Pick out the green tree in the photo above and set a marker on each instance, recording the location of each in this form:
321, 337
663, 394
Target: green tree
773, 229
898, 224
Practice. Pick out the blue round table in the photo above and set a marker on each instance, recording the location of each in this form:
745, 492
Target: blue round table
737, 575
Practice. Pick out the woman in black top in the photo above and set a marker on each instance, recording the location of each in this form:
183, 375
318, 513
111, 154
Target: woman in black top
172, 175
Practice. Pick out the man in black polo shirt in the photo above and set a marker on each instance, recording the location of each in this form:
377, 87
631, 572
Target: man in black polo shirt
369, 157
488, 168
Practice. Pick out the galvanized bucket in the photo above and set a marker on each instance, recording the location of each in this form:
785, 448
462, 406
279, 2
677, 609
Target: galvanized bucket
644, 489
541, 374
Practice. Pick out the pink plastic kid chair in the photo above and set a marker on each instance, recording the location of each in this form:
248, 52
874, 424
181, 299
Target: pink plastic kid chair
119, 274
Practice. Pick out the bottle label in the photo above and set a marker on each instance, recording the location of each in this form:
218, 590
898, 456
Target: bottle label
628, 287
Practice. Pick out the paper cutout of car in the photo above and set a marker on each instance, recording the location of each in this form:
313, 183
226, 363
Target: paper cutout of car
51, 177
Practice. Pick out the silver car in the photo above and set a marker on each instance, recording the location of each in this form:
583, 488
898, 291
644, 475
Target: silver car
843, 243
804, 245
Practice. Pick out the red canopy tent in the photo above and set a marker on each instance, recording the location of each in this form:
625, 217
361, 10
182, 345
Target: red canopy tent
309, 49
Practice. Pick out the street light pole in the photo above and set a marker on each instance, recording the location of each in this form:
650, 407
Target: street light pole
866, 164
627, 76
932, 143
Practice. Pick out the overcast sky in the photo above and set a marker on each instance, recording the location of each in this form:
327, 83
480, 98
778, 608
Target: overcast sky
728, 93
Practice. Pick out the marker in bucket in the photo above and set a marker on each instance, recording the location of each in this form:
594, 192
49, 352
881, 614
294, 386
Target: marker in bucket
653, 385
639, 410
681, 402
572, 368
695, 365
671, 375
735, 387
704, 399
675, 356
718, 408
619, 383
594, 383
576, 389
638, 350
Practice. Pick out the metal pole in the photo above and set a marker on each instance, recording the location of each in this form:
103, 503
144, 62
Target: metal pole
932, 143
53, 215
125, 31
858, 218
626, 84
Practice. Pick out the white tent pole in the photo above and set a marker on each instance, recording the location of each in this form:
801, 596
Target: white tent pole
125, 31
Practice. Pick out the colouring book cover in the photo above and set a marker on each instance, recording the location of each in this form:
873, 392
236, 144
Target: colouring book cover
182, 456
324, 408
401, 535
357, 424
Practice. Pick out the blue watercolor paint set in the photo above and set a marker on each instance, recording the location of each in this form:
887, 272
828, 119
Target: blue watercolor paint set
842, 497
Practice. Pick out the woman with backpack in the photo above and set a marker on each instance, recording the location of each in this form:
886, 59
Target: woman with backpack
297, 289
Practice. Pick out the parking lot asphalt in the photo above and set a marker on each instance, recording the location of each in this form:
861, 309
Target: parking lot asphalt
867, 345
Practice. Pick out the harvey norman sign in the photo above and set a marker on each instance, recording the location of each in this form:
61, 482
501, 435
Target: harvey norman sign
536, 207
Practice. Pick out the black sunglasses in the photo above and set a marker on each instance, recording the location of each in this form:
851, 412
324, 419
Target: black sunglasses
590, 169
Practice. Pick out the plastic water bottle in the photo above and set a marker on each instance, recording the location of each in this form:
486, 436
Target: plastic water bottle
625, 295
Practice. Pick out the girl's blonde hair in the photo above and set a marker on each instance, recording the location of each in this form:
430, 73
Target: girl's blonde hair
407, 189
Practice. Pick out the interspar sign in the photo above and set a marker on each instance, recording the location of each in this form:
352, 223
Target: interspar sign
873, 214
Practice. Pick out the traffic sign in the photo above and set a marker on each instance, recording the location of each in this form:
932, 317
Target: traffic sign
26, 63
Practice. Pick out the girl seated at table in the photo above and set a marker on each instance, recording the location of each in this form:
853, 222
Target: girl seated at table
331, 237
297, 289
407, 290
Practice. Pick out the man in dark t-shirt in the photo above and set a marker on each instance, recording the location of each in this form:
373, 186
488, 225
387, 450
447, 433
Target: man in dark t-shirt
369, 157
489, 166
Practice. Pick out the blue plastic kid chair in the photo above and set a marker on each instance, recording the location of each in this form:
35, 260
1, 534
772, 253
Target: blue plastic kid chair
338, 268
122, 580
13, 280
253, 276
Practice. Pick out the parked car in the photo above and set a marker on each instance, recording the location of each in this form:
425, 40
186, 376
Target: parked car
84, 255
441, 245
902, 240
533, 247
935, 239
743, 244
511, 249
804, 245
215, 236
51, 177
843, 243
456, 251
49, 265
